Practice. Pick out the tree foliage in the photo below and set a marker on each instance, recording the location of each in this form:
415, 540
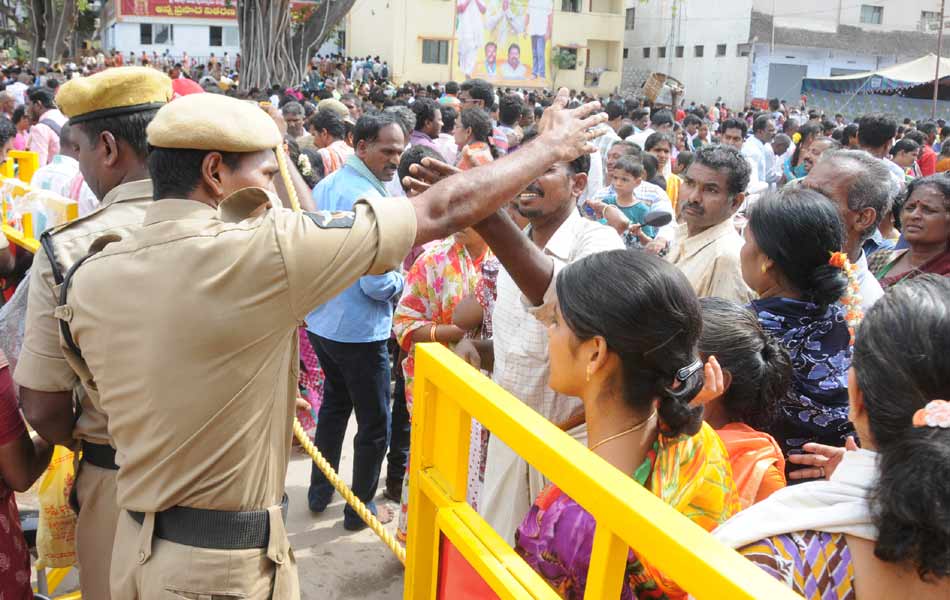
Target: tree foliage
562, 58
47, 26
277, 42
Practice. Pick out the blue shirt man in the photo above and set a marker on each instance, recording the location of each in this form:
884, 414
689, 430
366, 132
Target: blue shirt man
364, 311
350, 333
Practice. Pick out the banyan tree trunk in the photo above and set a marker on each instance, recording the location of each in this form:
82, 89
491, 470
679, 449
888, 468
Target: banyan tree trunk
276, 46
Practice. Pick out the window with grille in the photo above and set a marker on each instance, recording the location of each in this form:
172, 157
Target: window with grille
435, 52
698, 51
721, 50
215, 36
872, 15
573, 6
631, 18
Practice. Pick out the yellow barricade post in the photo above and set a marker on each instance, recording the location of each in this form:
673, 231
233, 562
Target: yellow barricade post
27, 163
448, 394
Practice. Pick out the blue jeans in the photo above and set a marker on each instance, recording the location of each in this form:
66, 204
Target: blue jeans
537, 55
357, 379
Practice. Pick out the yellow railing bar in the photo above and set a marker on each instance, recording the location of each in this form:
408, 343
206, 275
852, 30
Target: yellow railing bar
29, 243
448, 391
28, 163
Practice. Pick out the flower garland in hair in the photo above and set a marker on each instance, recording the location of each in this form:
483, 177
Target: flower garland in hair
852, 298
303, 163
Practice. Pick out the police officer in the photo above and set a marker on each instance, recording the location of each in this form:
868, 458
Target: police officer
108, 113
188, 329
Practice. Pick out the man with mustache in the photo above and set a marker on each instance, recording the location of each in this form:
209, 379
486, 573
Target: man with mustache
350, 332
708, 245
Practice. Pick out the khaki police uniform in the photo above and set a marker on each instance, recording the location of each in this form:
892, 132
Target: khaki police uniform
197, 370
41, 365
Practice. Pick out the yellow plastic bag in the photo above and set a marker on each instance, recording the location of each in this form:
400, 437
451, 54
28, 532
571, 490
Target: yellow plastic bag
56, 536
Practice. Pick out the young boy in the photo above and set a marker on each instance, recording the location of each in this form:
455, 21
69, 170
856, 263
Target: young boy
622, 210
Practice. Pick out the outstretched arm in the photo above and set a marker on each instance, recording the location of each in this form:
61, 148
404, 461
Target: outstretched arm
528, 266
466, 198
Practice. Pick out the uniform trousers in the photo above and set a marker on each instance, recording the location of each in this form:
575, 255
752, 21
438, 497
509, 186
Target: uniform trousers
95, 528
145, 567
357, 380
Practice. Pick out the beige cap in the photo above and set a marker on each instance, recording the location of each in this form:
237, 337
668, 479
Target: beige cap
114, 92
334, 105
213, 122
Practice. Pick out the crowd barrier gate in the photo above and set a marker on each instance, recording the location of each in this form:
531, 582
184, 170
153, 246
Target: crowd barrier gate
443, 527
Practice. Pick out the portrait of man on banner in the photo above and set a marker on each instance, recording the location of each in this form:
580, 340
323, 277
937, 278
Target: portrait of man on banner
505, 40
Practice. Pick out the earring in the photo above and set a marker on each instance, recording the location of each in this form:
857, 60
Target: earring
588, 373
764, 268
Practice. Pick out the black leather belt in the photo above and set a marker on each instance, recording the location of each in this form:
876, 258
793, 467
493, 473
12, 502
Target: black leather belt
100, 455
213, 529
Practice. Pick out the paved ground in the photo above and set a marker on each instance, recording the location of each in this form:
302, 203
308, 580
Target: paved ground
334, 564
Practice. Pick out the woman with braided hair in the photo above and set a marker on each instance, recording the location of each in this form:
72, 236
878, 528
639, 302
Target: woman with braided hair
624, 340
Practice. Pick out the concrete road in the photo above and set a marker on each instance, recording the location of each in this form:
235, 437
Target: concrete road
336, 564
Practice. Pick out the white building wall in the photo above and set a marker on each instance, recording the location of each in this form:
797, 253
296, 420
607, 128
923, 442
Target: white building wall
192, 37
819, 62
825, 15
693, 23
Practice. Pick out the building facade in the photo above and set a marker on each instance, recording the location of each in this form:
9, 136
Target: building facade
759, 49
198, 27
703, 44
425, 40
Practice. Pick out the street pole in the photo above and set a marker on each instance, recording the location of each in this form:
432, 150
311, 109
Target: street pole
933, 110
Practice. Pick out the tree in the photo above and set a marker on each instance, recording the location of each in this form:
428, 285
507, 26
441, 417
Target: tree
48, 27
53, 23
562, 58
277, 40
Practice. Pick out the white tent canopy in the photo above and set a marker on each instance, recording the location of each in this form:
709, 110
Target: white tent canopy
889, 79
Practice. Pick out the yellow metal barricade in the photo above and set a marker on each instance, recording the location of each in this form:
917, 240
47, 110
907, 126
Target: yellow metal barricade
448, 394
15, 175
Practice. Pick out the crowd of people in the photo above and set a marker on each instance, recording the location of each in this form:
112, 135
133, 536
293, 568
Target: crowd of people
743, 311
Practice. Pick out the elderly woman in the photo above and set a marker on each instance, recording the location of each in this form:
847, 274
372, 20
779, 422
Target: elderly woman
925, 223
785, 260
624, 340
879, 527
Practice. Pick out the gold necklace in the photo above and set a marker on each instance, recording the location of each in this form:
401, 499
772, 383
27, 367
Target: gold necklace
636, 427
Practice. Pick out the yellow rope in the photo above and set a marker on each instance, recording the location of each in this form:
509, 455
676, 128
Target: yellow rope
351, 499
334, 479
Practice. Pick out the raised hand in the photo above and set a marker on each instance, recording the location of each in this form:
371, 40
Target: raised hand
568, 131
427, 174
713, 384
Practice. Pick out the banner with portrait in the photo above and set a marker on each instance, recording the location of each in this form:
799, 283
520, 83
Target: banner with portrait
507, 42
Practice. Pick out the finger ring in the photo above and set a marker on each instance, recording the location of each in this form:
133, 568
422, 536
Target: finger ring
822, 469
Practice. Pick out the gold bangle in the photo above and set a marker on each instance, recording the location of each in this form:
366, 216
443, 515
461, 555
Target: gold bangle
432, 333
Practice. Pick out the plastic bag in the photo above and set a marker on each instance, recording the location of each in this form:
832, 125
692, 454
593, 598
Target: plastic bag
56, 536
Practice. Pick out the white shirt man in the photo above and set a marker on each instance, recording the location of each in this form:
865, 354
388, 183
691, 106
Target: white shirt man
521, 367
